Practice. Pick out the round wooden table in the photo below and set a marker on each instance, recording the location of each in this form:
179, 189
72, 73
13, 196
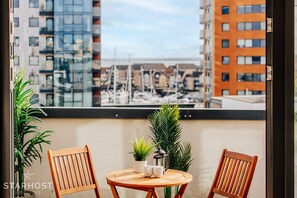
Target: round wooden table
129, 179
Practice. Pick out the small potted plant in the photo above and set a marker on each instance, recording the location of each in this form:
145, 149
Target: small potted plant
142, 148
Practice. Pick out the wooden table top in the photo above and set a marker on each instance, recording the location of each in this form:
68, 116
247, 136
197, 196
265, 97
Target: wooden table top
128, 178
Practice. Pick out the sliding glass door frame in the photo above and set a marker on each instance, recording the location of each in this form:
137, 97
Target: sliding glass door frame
6, 117
280, 100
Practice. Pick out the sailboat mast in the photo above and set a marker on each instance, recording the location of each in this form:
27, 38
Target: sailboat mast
114, 77
130, 81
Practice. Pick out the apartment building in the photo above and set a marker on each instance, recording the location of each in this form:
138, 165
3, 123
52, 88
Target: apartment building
234, 46
63, 57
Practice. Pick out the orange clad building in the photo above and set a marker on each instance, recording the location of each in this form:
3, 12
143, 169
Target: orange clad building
234, 46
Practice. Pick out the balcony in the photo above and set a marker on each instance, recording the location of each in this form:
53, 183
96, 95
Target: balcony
49, 50
96, 30
49, 11
207, 137
46, 31
208, 65
96, 48
201, 34
46, 71
202, 4
47, 89
201, 51
201, 19
96, 65
96, 12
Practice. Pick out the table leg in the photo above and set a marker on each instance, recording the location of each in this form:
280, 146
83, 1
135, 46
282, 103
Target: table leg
151, 192
155, 195
181, 191
114, 191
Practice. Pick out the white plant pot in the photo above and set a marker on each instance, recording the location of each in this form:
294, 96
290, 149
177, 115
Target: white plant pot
139, 166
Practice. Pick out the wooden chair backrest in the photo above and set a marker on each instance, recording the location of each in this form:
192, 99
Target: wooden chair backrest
72, 171
234, 175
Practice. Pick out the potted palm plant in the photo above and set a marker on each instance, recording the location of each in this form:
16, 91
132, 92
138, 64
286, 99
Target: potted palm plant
165, 128
28, 138
142, 148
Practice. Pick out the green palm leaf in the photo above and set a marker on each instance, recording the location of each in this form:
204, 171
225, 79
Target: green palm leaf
26, 152
165, 128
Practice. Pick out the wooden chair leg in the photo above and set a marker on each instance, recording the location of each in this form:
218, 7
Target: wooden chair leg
181, 191
114, 191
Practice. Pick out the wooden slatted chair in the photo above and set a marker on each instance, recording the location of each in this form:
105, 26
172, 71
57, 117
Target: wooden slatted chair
234, 175
72, 171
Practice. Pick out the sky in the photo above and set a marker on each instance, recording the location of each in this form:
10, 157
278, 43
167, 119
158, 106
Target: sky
150, 29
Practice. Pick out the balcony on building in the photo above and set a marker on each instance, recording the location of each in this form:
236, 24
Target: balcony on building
46, 10
96, 30
208, 64
46, 31
47, 50
96, 65
96, 48
44, 70
96, 12
201, 18
201, 34
46, 89
201, 49
202, 4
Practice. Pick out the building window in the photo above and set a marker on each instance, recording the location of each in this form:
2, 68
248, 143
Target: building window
249, 92
250, 26
240, 26
16, 22
49, 43
68, 19
16, 60
225, 60
250, 77
78, 2
33, 41
240, 10
16, 3
246, 9
225, 26
33, 79
33, 3
251, 60
33, 60
242, 43
225, 43
225, 9
225, 92
68, 2
225, 77
49, 100
16, 41
33, 22
78, 19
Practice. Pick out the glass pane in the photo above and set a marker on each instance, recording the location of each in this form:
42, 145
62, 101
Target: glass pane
64, 37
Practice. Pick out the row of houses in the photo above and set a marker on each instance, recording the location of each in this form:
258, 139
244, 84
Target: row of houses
157, 76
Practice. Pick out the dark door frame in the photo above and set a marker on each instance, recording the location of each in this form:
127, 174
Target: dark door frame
280, 100
6, 132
